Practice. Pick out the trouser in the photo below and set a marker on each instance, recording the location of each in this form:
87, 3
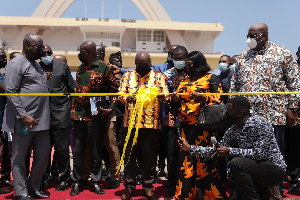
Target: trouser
144, 153
171, 136
279, 135
111, 144
163, 141
252, 178
60, 139
40, 143
93, 131
5, 158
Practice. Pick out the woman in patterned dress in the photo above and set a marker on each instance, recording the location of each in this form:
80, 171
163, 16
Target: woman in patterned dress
196, 179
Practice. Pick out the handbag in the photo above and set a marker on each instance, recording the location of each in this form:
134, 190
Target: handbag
212, 116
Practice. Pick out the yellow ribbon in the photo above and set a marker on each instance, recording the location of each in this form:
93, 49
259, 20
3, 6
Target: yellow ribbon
119, 94
143, 98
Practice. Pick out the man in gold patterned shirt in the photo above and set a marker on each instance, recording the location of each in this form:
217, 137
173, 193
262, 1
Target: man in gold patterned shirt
145, 151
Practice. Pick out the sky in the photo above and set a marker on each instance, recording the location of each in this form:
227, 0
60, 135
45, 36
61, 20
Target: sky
282, 17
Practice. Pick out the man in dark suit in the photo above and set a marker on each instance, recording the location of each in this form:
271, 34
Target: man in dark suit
59, 80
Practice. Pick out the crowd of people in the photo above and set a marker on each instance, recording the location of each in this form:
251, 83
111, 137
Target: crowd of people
257, 148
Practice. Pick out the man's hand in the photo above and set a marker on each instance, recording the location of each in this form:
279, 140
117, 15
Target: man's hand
175, 97
292, 117
29, 122
183, 144
105, 112
197, 97
49, 75
116, 69
130, 99
223, 151
160, 97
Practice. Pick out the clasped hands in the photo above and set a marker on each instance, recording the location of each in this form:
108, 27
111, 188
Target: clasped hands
184, 145
29, 121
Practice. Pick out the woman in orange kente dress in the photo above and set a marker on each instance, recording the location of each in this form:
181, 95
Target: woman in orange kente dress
196, 179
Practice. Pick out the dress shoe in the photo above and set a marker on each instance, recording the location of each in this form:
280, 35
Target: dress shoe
3, 191
121, 176
161, 173
114, 183
98, 189
108, 175
294, 188
63, 186
25, 198
150, 195
37, 194
75, 189
170, 192
127, 194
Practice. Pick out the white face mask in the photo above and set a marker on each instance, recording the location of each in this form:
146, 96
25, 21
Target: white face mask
251, 42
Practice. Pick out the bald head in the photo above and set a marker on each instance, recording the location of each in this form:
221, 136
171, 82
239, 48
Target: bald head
260, 28
87, 53
100, 52
60, 58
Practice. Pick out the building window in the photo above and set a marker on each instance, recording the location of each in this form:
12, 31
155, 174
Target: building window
144, 35
108, 35
158, 36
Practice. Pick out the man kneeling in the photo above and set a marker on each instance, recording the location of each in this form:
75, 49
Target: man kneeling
257, 161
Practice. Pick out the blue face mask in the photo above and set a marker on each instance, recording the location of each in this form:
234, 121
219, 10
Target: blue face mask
223, 67
47, 60
232, 67
179, 64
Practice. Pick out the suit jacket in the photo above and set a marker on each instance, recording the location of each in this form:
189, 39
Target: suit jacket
61, 82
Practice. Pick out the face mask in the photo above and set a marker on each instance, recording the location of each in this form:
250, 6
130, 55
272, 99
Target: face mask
179, 64
47, 59
232, 67
170, 60
251, 42
223, 67
38, 53
81, 58
142, 70
118, 64
3, 63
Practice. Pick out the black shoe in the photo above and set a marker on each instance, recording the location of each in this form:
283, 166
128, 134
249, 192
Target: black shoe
97, 189
63, 186
170, 192
294, 188
3, 191
161, 173
45, 184
25, 198
37, 194
113, 184
108, 175
75, 189
166, 185
121, 176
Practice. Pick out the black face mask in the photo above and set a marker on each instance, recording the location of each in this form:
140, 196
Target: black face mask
170, 60
80, 57
190, 70
3, 63
142, 70
39, 53
118, 64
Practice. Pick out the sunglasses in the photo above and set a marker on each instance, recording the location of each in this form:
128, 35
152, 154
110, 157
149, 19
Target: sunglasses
2, 57
254, 35
48, 53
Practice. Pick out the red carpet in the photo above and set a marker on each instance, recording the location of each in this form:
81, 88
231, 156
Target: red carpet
114, 194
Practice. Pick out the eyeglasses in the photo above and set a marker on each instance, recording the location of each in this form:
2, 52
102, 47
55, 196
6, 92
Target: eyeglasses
254, 35
37, 46
48, 53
